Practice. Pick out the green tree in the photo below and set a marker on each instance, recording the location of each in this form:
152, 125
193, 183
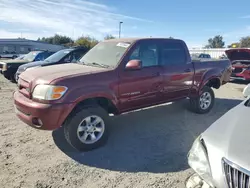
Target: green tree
86, 41
57, 39
107, 37
216, 42
234, 45
245, 42
171, 37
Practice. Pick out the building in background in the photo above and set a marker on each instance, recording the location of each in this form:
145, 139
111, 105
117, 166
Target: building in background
213, 52
24, 46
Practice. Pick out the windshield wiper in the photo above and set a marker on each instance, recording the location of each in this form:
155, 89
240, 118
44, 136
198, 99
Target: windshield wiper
98, 64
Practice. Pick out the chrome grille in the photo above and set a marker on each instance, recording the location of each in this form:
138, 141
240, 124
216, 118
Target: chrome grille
23, 87
236, 176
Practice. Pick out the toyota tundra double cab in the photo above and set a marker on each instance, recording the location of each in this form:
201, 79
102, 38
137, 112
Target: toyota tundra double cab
114, 77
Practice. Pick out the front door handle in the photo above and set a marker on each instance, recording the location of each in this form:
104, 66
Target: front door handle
187, 70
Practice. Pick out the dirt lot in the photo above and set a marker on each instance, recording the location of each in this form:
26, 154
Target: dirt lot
147, 148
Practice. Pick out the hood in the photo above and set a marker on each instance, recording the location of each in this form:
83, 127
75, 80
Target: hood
47, 74
229, 136
29, 65
238, 54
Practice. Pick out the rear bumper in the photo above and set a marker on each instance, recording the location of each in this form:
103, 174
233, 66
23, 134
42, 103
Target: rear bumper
52, 116
239, 78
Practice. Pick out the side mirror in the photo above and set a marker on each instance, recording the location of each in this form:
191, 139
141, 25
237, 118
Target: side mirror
134, 65
246, 91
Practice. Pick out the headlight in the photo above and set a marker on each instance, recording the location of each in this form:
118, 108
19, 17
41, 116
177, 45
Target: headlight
198, 160
49, 92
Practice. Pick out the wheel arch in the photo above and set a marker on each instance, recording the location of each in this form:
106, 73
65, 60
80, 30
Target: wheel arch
213, 82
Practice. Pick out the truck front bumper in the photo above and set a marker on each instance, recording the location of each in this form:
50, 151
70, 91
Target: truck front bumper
39, 115
195, 181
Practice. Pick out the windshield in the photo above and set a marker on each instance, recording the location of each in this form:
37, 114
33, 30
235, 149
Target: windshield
31, 56
105, 53
58, 56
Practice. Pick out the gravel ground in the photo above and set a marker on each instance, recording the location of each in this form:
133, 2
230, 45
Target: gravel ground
147, 148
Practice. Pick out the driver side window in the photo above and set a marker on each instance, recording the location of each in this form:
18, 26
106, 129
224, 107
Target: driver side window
147, 53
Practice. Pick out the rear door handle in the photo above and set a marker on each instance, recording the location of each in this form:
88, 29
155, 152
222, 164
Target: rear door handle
187, 70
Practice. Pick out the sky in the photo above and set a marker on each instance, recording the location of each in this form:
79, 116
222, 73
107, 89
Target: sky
194, 21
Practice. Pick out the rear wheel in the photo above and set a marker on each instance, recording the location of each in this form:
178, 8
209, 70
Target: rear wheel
204, 102
87, 129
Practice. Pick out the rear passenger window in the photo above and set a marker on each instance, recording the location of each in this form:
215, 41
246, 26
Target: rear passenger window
173, 53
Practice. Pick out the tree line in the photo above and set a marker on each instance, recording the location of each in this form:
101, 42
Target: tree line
84, 41
218, 42
88, 42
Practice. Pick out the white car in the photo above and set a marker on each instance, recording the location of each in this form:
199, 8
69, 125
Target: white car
220, 156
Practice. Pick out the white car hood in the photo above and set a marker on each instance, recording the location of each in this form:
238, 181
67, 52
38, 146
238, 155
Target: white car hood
229, 136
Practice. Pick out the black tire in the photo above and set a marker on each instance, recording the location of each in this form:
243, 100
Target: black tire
7, 77
13, 79
73, 121
195, 102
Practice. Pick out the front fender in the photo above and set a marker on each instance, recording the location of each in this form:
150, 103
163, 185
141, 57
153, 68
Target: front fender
79, 94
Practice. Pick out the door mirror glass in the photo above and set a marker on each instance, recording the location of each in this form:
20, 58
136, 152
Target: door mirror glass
134, 65
246, 91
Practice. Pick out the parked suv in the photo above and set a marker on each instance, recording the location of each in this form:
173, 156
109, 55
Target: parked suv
60, 57
9, 55
9, 67
200, 56
115, 76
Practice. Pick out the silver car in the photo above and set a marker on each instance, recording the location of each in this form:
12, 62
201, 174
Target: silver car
220, 156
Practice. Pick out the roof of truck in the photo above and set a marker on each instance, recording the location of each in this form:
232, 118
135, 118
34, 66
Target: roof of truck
131, 40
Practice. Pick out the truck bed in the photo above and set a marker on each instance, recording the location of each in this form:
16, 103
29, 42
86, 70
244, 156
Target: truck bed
222, 68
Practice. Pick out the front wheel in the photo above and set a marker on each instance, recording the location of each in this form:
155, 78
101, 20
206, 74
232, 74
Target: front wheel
204, 102
87, 129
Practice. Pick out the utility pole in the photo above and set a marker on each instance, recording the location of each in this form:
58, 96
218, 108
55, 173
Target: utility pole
120, 28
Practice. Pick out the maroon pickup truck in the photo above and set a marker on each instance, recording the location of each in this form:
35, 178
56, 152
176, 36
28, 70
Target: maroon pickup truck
115, 76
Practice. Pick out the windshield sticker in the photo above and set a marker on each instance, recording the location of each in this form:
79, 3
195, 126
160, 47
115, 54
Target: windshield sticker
123, 44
